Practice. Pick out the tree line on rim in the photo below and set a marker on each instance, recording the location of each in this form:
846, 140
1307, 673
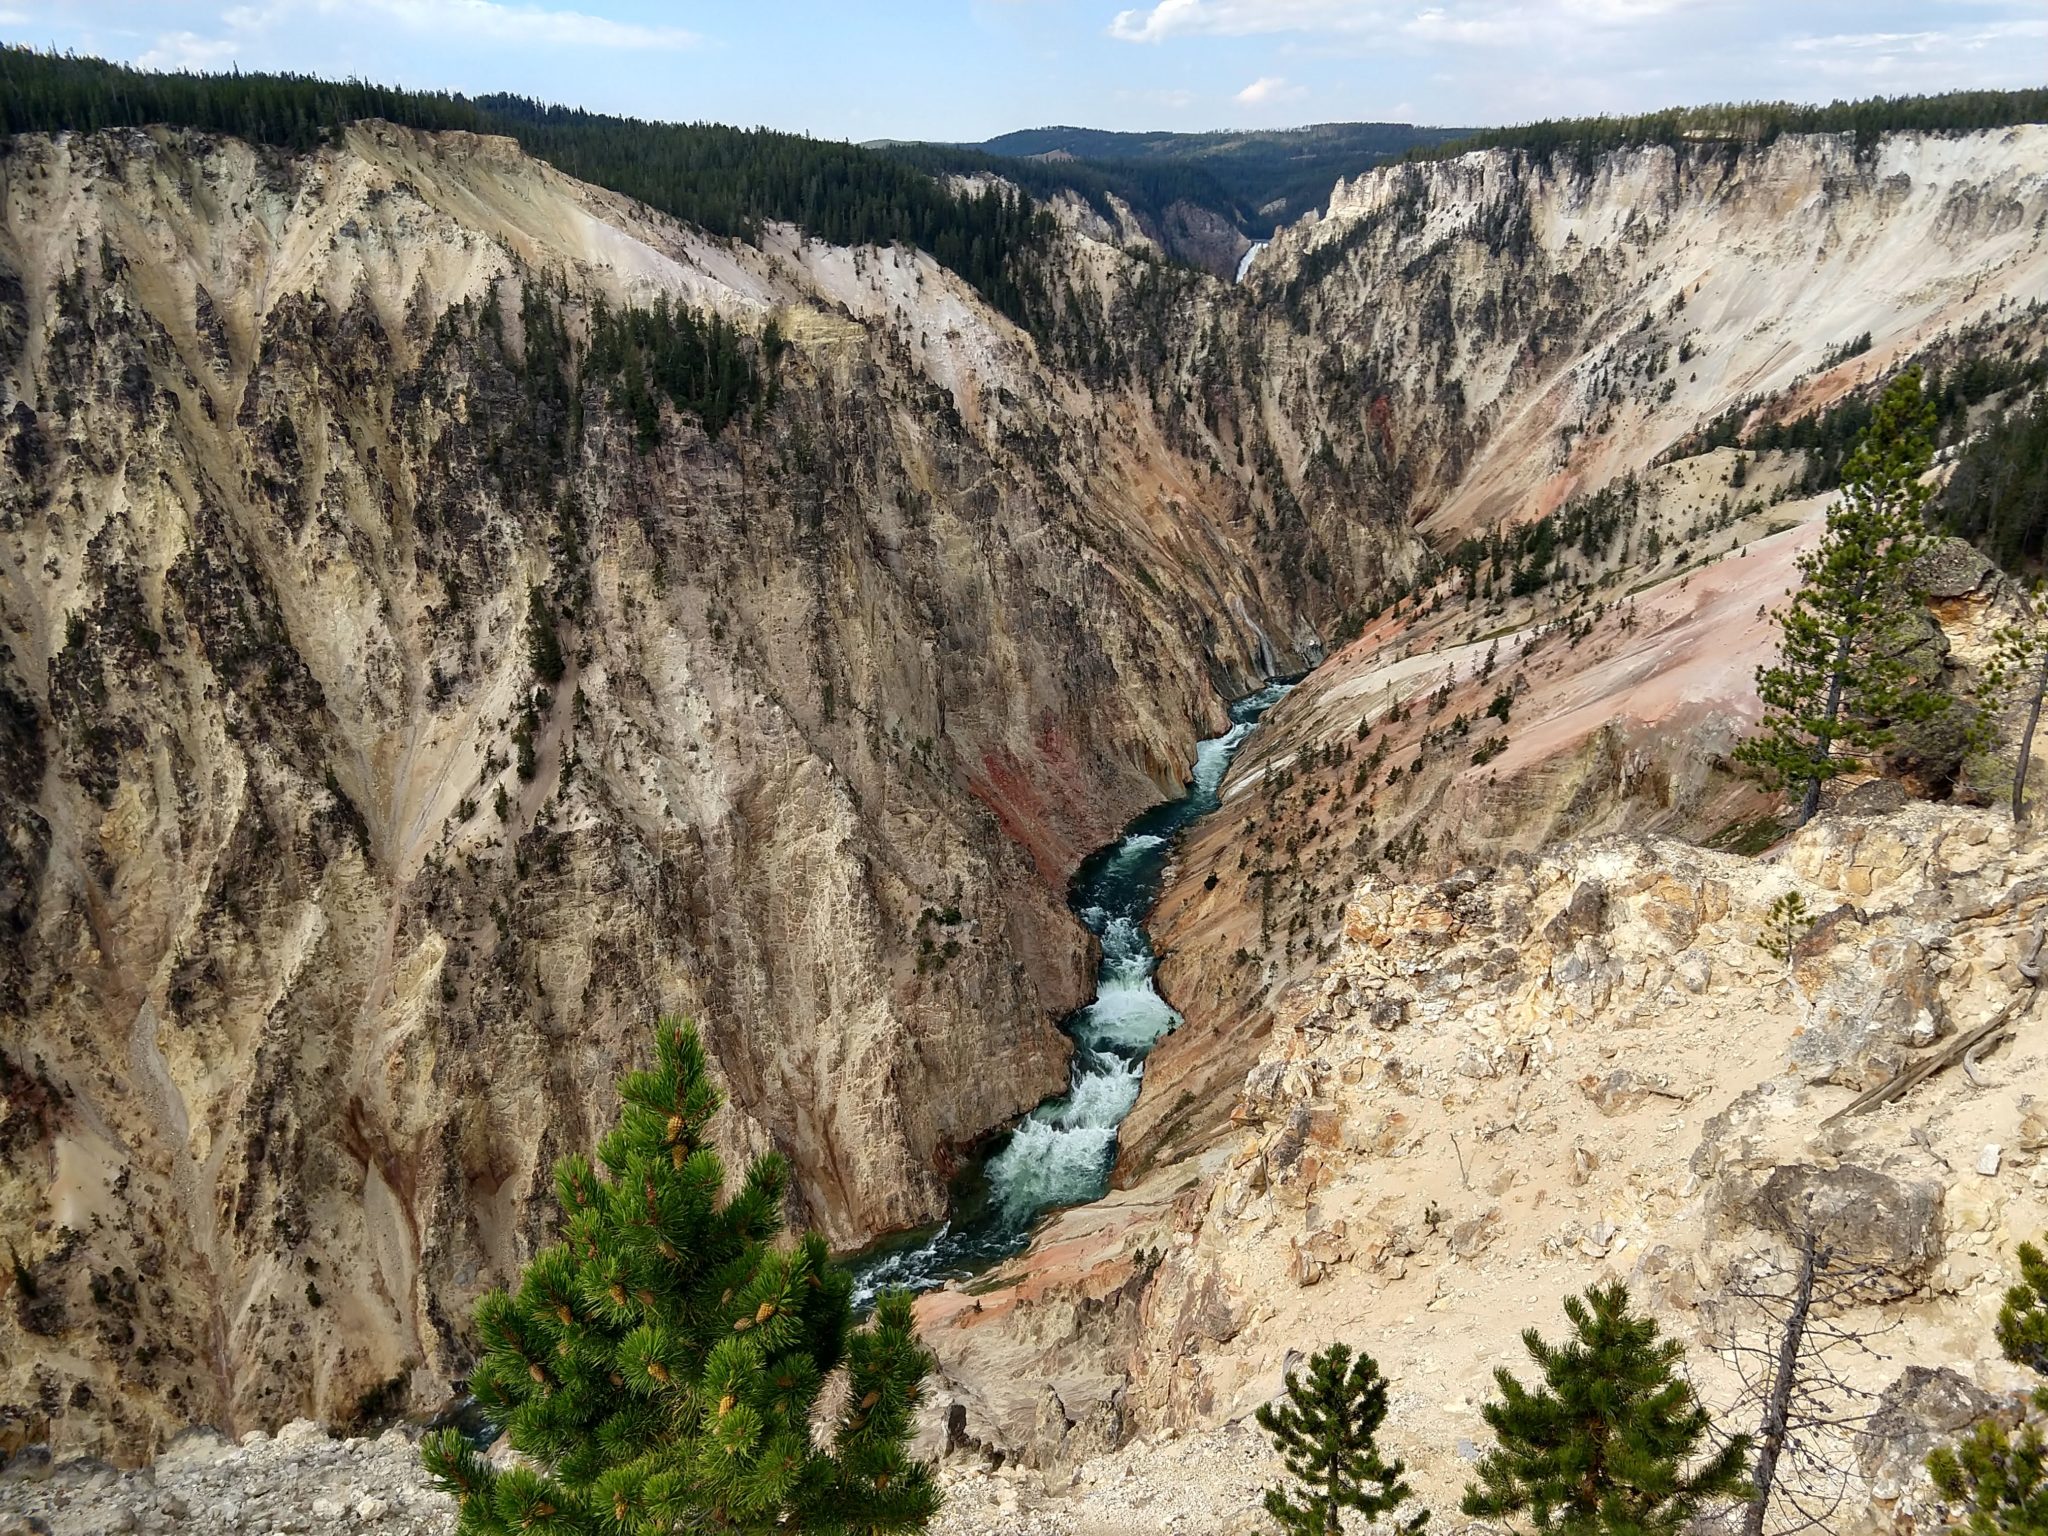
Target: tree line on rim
732, 181
1734, 125
729, 181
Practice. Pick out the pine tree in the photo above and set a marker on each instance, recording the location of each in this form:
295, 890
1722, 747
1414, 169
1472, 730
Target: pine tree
2000, 1476
1849, 676
1613, 1443
543, 648
1325, 1431
661, 1368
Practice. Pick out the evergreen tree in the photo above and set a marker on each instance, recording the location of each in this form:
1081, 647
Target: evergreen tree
1849, 675
2000, 1476
1325, 1431
543, 648
661, 1368
1613, 1443
1998, 495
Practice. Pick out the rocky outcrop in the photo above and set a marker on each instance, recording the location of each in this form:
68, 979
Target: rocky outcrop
1926, 1407
298, 1480
1473, 344
1860, 1217
337, 894
1521, 1080
301, 1480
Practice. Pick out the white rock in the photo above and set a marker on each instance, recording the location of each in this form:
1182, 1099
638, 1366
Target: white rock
1987, 1160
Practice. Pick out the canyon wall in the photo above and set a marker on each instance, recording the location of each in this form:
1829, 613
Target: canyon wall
1535, 334
333, 910
1584, 1066
1495, 332
1456, 1029
332, 915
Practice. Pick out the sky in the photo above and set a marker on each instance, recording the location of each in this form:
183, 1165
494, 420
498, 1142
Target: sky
968, 69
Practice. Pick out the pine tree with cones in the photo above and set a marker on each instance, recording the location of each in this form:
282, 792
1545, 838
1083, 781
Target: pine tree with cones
1326, 1431
665, 1367
1613, 1443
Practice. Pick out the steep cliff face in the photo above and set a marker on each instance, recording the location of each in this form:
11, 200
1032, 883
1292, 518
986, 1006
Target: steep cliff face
1499, 1089
1444, 1045
397, 707
1494, 333
336, 898
1522, 340
1461, 343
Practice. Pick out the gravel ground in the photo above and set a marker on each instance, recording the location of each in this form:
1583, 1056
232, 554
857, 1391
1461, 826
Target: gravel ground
302, 1481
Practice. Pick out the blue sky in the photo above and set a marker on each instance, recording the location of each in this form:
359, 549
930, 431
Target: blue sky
967, 69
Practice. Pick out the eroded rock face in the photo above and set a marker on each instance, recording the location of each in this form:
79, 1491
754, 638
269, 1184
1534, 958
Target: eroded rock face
1867, 1019
1518, 335
330, 922
1858, 1216
1560, 1100
1926, 1407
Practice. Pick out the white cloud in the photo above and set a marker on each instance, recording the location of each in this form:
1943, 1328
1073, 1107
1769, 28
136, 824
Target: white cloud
188, 50
1268, 89
483, 22
530, 24
1922, 42
1241, 18
1445, 21
1892, 61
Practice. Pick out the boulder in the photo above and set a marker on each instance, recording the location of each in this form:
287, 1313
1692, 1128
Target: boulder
1924, 1408
1622, 1091
1869, 1015
1388, 1013
1950, 568
1471, 1236
1078, 1417
1864, 1217
1583, 915
1873, 797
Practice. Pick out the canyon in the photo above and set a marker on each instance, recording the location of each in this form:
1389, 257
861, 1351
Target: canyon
313, 979
332, 917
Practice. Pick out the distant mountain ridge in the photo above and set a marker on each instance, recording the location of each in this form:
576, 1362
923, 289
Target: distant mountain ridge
1202, 196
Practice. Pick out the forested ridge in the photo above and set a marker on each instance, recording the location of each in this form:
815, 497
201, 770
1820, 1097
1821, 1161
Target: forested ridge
729, 181
733, 181
1148, 188
1256, 180
1736, 124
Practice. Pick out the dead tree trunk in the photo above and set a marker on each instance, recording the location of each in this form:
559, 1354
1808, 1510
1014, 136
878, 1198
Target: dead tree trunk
1778, 1405
2019, 776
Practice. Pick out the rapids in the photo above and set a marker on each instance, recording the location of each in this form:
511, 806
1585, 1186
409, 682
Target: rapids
1061, 1153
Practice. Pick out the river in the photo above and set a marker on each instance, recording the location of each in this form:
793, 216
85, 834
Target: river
1061, 1153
